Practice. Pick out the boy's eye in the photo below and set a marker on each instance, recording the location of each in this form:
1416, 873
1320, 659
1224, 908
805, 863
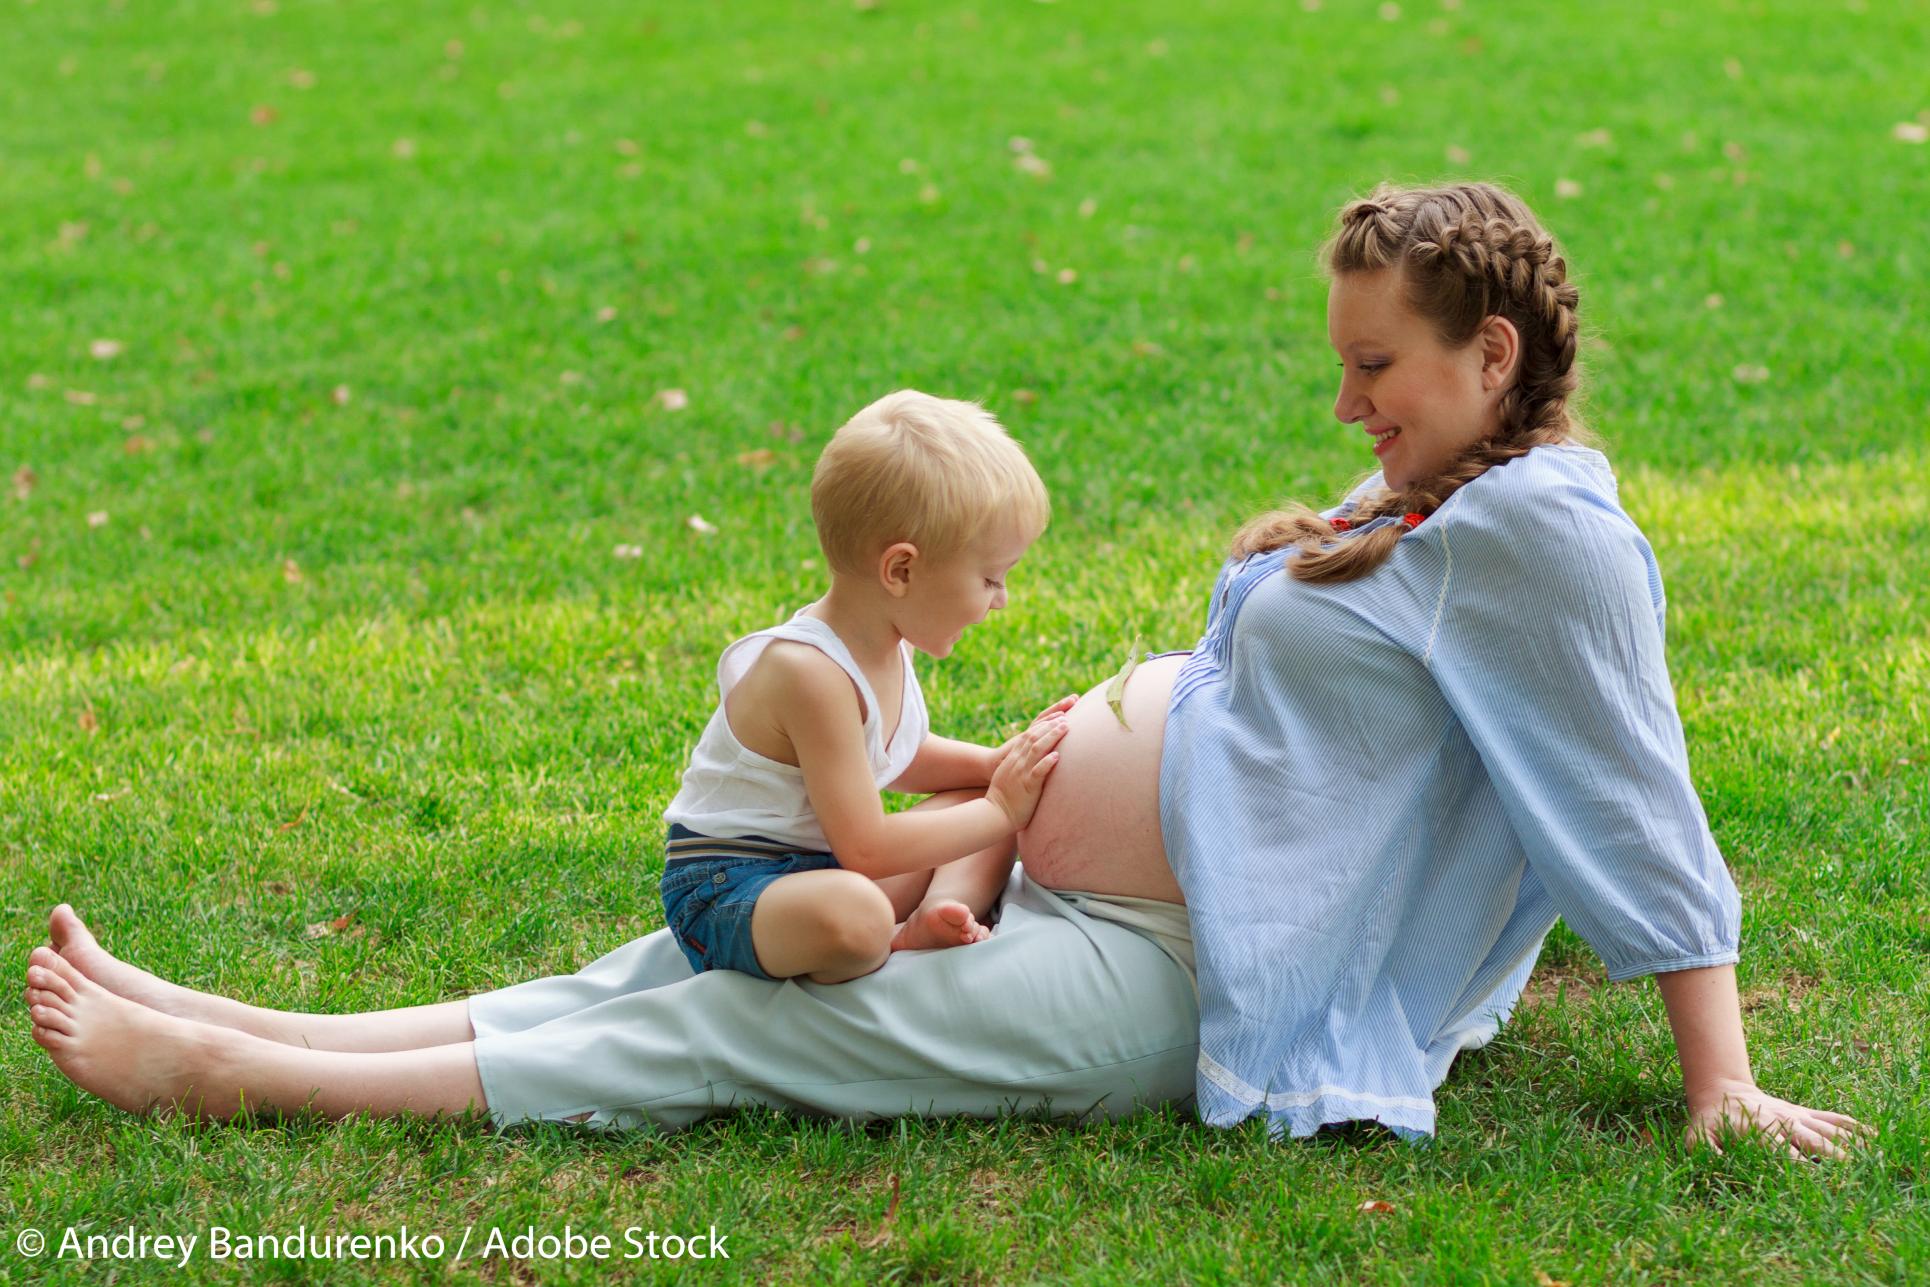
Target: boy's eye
996, 585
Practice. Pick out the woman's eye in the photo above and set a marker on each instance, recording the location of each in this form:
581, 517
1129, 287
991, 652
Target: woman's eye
1366, 368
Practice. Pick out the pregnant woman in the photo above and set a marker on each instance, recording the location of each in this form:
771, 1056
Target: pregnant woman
1419, 726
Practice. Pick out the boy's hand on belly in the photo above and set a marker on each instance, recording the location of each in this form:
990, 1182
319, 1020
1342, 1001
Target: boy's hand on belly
1020, 778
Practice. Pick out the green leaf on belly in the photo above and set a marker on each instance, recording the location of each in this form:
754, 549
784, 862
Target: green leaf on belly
1116, 686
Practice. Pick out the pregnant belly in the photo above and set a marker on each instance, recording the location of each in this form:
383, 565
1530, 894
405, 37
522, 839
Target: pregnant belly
1097, 824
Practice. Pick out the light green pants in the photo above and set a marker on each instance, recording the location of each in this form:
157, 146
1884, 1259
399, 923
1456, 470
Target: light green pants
1058, 1011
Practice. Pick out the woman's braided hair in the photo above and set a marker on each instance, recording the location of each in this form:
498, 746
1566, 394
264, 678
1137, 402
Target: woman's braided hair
1467, 252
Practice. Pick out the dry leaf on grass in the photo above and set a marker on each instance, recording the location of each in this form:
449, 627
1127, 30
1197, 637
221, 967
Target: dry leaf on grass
294, 822
323, 929
291, 571
24, 482
1910, 132
757, 458
97, 518
628, 551
88, 723
700, 525
106, 350
1376, 1206
672, 399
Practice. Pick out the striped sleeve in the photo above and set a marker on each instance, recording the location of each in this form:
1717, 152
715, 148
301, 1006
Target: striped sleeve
1549, 651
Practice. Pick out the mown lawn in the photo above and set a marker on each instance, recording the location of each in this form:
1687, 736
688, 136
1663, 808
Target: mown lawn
348, 566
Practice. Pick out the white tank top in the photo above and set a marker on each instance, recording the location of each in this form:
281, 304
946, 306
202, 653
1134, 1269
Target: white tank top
730, 790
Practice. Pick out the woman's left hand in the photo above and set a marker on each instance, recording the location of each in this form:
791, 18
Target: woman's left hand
1742, 1108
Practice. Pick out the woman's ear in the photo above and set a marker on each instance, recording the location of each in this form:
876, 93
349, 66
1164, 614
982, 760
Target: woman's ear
894, 568
1500, 352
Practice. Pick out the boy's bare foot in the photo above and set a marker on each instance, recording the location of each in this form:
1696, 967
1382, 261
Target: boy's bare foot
132, 1057
943, 924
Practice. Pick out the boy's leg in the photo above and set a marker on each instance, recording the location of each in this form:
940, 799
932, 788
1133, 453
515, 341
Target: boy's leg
828, 925
959, 895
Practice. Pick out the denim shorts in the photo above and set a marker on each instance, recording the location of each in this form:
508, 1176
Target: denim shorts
711, 884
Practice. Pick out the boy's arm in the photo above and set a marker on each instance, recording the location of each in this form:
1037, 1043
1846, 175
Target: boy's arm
817, 708
943, 764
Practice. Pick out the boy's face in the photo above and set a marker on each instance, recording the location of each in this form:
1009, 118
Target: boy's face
948, 596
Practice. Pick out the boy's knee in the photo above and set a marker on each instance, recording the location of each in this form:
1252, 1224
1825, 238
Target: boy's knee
858, 923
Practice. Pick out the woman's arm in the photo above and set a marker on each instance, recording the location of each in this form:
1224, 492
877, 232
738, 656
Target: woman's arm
1706, 1016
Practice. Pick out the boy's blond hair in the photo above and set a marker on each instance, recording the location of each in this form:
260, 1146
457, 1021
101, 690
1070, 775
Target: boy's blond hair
932, 471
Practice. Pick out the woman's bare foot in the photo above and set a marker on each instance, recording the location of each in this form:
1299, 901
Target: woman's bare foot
947, 923
132, 1057
76, 944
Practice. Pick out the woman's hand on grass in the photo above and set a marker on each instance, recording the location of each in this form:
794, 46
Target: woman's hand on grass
1727, 1110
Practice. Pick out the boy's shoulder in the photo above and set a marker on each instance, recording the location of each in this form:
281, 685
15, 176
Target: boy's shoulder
802, 677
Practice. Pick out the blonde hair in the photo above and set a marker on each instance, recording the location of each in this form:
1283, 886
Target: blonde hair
932, 471
1465, 252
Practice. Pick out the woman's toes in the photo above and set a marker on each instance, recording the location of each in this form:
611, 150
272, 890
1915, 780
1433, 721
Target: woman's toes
62, 967
48, 1039
62, 924
46, 980
43, 956
52, 1016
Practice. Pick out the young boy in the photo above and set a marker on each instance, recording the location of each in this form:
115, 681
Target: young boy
781, 859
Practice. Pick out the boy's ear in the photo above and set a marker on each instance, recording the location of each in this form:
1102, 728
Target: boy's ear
894, 568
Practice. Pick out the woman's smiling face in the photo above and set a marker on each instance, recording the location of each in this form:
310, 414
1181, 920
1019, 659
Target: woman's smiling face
1422, 403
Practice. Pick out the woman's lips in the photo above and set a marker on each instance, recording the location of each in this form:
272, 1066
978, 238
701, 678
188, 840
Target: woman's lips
1383, 441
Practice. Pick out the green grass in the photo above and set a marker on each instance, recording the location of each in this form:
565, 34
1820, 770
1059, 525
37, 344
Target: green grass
396, 621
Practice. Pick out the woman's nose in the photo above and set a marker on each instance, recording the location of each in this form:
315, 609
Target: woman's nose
1350, 406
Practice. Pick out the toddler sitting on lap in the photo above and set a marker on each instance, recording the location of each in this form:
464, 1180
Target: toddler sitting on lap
781, 860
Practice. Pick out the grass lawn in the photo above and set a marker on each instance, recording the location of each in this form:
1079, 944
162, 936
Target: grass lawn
348, 567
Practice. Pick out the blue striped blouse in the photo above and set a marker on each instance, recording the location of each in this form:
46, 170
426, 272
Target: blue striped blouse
1378, 795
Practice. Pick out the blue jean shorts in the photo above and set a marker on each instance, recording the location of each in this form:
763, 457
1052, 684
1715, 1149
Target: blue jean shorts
711, 884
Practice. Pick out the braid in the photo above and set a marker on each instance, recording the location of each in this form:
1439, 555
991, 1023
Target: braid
1470, 252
